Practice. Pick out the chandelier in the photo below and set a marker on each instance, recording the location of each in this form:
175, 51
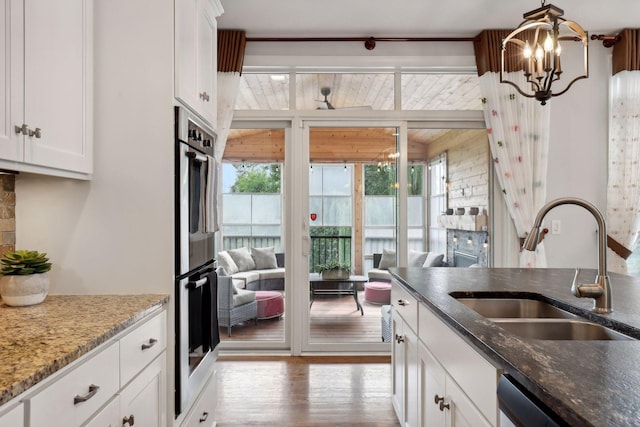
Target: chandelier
534, 47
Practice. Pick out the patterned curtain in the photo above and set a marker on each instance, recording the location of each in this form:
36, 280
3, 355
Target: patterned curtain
231, 45
518, 130
623, 191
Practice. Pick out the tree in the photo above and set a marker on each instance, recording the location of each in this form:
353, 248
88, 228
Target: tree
381, 180
257, 178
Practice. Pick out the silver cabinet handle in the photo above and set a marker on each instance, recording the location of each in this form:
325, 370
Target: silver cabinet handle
204, 417
93, 389
37, 132
204, 96
437, 399
399, 338
128, 420
152, 342
24, 129
403, 302
444, 406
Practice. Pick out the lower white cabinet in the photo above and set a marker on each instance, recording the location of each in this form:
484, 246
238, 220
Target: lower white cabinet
203, 411
13, 417
437, 378
120, 383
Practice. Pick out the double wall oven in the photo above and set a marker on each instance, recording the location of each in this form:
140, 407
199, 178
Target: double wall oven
196, 282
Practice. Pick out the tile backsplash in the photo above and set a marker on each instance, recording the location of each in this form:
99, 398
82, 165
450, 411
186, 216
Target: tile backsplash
7, 212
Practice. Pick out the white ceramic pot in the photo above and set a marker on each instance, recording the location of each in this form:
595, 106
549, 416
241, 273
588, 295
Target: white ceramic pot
24, 290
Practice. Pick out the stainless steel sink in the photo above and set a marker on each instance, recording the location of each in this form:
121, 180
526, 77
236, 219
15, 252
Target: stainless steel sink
559, 329
514, 308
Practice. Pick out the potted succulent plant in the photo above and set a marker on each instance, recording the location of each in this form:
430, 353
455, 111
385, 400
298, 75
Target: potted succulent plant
24, 280
334, 270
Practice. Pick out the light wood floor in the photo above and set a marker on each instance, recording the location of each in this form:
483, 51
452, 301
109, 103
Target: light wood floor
305, 391
333, 319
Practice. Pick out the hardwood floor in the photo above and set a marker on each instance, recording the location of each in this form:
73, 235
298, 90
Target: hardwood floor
333, 319
305, 391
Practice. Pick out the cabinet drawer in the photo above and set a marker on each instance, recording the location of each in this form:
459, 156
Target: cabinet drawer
109, 416
405, 305
140, 346
203, 411
470, 370
62, 401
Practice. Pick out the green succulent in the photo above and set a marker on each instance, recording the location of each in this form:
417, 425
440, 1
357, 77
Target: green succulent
23, 262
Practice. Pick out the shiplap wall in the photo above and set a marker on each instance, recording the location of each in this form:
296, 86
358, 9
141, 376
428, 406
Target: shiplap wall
468, 167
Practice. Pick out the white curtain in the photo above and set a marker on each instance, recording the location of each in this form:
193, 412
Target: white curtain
518, 130
228, 84
623, 190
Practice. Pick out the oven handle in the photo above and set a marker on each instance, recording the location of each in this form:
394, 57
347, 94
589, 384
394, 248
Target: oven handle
196, 156
198, 283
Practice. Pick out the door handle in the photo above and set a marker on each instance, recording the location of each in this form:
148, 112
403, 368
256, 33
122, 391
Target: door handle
195, 285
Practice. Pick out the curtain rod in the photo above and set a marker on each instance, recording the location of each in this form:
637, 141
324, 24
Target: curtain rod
369, 42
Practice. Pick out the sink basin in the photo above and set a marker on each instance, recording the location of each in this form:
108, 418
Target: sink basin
514, 308
559, 329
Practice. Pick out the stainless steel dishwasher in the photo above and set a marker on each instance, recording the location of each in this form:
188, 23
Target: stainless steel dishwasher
519, 409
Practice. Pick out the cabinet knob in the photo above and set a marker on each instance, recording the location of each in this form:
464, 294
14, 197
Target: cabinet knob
24, 129
128, 420
399, 338
437, 399
204, 96
403, 302
444, 406
204, 417
37, 132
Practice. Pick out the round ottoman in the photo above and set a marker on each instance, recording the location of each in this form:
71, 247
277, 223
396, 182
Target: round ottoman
270, 304
377, 292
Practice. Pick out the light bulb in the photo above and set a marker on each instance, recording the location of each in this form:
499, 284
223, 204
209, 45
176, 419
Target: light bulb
548, 43
527, 50
539, 53
558, 48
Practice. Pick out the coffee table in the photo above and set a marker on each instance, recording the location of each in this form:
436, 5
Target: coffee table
353, 280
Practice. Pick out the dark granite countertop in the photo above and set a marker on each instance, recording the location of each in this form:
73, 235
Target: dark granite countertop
38, 340
586, 383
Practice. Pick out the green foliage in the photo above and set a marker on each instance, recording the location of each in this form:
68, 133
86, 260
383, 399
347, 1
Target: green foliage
332, 265
23, 262
257, 178
381, 180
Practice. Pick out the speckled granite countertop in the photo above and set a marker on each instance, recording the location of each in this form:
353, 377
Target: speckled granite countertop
37, 341
586, 383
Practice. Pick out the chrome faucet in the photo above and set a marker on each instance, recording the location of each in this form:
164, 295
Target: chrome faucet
600, 291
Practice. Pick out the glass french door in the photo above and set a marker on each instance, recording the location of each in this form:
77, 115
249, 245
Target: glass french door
348, 204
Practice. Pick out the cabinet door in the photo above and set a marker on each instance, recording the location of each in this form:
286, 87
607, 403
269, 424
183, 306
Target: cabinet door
58, 83
461, 410
142, 402
109, 416
432, 389
13, 418
11, 78
207, 76
398, 368
186, 51
411, 377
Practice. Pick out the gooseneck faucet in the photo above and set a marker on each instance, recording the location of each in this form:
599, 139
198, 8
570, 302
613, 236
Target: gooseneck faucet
600, 291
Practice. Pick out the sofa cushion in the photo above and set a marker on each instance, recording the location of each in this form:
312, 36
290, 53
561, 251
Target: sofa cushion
376, 274
433, 260
243, 297
242, 258
388, 259
417, 258
264, 258
247, 277
272, 273
227, 263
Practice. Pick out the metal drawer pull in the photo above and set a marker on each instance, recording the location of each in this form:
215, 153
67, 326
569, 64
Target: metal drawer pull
37, 133
399, 338
93, 389
24, 129
128, 420
437, 399
204, 417
403, 302
443, 406
152, 342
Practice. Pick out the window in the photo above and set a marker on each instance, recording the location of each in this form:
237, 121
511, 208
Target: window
437, 178
251, 201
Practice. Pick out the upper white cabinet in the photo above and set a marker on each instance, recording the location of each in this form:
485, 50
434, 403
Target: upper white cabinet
46, 99
196, 56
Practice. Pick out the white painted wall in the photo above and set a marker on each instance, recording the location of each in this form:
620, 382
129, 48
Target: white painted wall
114, 234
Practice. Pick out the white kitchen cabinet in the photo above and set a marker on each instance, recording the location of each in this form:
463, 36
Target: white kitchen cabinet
47, 94
441, 401
119, 383
12, 417
196, 56
203, 411
437, 378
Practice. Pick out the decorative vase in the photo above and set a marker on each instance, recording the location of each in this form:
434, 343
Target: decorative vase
24, 290
336, 274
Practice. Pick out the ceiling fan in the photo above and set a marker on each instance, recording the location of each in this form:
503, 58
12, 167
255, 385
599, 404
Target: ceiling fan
326, 105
